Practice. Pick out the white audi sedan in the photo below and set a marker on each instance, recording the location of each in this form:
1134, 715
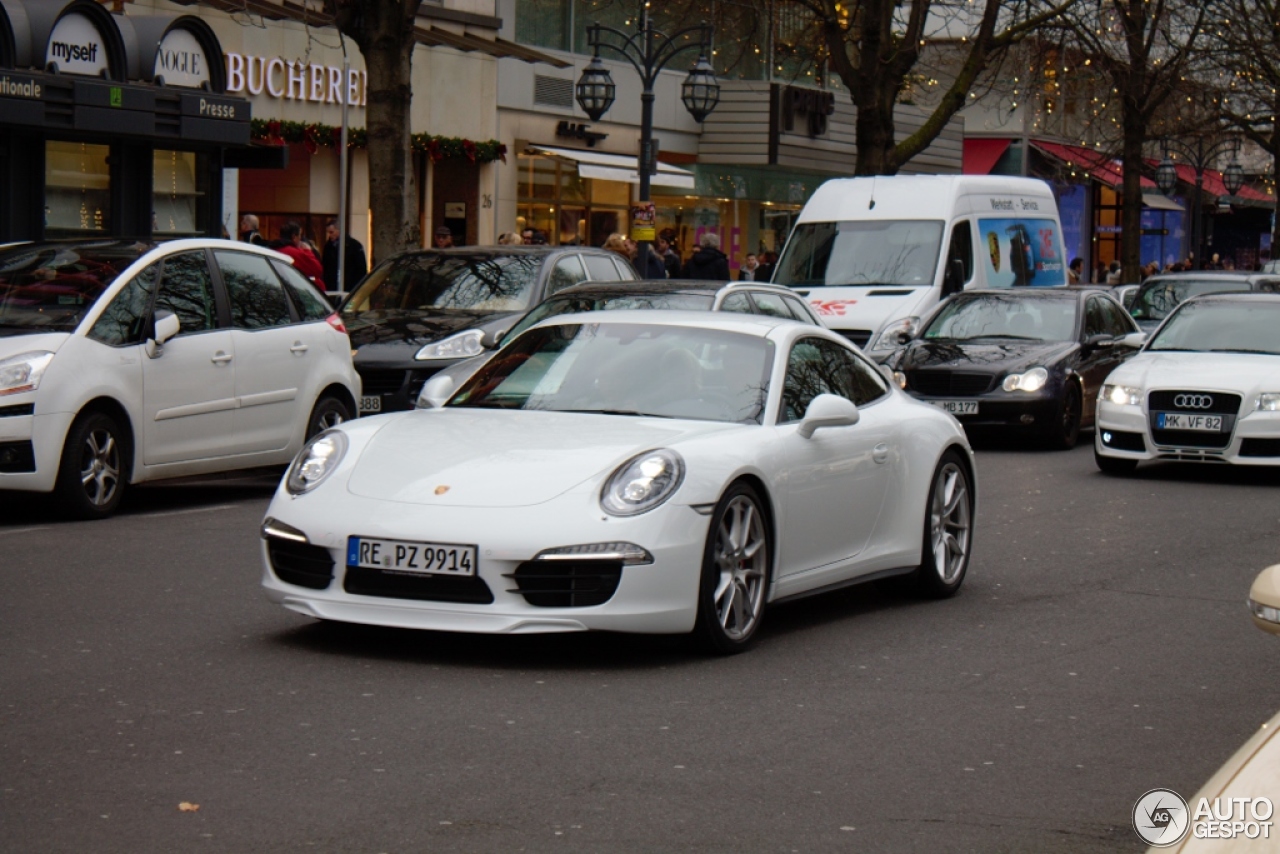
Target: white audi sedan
664, 472
1204, 388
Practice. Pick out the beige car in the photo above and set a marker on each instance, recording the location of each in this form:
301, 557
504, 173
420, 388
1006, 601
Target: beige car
1253, 773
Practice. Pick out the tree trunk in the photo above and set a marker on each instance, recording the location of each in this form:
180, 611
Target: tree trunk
1135, 133
392, 187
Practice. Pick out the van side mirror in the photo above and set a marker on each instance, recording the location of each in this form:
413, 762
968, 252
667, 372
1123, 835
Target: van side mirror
164, 325
828, 410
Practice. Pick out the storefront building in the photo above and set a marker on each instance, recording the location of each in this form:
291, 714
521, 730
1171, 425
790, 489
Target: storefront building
110, 124
743, 174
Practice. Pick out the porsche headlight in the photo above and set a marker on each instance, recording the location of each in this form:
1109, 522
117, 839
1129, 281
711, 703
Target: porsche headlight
23, 372
888, 337
1032, 380
642, 483
1269, 401
460, 346
316, 461
1120, 394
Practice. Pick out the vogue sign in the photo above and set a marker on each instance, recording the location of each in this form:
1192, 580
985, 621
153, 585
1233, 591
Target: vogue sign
180, 60
295, 81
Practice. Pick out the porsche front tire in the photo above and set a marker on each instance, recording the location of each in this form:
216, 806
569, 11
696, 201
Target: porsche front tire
735, 572
948, 530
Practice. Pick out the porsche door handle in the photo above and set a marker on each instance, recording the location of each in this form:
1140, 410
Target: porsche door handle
220, 357
880, 452
299, 347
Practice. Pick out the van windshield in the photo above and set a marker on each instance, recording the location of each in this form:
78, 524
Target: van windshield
862, 252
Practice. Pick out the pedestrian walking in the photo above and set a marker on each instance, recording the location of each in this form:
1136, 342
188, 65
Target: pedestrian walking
355, 267
304, 258
708, 263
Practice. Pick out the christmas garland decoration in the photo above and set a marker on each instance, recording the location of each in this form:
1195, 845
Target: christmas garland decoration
315, 135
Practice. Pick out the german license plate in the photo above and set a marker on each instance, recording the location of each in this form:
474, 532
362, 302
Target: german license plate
957, 407
1183, 421
371, 403
418, 558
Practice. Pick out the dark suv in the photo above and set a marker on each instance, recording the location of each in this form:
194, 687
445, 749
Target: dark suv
422, 311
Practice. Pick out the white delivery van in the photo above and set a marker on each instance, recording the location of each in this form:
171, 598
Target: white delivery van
874, 255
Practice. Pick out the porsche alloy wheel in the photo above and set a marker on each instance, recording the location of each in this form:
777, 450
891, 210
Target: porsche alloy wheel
735, 572
948, 530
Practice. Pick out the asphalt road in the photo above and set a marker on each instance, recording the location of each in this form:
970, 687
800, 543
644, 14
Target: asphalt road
1100, 648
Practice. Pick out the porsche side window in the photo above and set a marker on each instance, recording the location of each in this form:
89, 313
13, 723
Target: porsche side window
124, 320
818, 366
187, 290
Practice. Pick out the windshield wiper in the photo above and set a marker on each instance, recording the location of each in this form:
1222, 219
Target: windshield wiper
633, 412
1013, 337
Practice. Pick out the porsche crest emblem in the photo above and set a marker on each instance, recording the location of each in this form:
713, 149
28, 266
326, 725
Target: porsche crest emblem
441, 490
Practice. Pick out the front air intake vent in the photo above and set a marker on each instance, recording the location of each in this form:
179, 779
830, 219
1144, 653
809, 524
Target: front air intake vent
552, 91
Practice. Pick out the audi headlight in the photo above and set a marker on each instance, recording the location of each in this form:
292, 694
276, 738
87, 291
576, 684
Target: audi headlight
1032, 380
23, 372
642, 483
1269, 401
460, 346
1124, 395
316, 461
889, 336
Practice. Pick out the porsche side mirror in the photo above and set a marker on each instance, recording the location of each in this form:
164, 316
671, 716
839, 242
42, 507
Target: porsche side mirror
1264, 600
828, 410
164, 325
437, 390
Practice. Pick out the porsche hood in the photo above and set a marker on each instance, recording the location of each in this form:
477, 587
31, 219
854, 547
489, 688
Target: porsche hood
457, 457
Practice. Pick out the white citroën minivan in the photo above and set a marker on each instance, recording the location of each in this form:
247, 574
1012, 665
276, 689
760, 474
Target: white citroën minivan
874, 255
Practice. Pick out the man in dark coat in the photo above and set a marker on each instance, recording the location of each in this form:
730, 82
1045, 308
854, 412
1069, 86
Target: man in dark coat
355, 267
708, 263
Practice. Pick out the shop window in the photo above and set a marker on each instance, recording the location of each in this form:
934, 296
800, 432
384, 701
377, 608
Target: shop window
77, 183
538, 178
177, 187
544, 23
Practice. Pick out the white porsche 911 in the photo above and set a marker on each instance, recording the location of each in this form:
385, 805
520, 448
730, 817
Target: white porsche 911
1205, 388
665, 472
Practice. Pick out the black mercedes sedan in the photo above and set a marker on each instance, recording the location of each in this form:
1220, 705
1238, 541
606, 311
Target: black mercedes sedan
421, 311
1032, 359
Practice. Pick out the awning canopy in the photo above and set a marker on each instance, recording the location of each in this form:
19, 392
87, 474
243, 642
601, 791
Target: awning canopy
1100, 167
1155, 201
617, 167
981, 154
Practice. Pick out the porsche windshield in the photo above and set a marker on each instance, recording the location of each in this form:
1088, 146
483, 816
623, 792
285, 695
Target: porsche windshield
427, 281
627, 369
988, 316
1222, 326
1157, 298
576, 303
861, 252
48, 287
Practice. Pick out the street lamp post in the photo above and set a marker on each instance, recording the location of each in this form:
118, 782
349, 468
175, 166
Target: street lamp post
648, 50
1199, 157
